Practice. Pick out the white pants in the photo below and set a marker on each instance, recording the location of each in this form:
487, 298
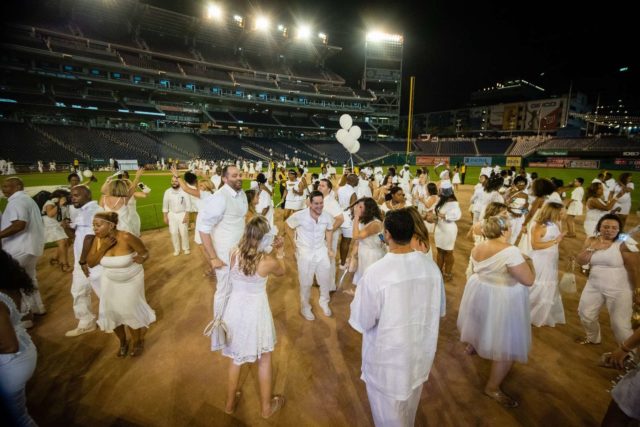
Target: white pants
81, 287
179, 231
619, 302
13, 378
310, 265
332, 261
388, 412
29, 263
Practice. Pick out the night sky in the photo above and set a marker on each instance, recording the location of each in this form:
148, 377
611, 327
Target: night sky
453, 48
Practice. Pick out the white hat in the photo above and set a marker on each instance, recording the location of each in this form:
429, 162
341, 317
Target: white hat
406, 165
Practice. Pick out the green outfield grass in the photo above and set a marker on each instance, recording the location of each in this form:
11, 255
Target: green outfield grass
150, 208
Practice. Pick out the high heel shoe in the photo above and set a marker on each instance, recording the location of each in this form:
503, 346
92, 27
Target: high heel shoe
502, 398
277, 402
138, 348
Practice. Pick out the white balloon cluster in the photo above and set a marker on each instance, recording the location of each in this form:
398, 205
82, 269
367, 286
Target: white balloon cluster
348, 135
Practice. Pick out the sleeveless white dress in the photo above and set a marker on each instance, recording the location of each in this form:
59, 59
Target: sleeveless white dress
494, 311
122, 299
591, 220
124, 217
544, 295
53, 231
370, 250
456, 178
248, 318
446, 229
134, 217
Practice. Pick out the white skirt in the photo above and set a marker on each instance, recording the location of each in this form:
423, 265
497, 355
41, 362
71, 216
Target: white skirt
54, 233
575, 209
445, 235
495, 320
544, 295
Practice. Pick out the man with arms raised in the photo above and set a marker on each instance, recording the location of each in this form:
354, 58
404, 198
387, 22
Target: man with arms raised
397, 308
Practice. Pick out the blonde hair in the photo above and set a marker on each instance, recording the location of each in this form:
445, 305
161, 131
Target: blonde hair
248, 255
494, 209
420, 231
207, 184
494, 226
550, 212
119, 188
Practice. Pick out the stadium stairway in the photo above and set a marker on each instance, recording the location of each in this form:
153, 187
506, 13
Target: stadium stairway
68, 147
216, 146
256, 153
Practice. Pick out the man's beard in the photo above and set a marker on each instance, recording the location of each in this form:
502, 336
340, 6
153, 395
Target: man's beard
175, 187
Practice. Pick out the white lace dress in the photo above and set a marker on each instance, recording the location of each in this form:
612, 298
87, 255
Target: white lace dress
370, 250
122, 299
494, 311
248, 318
544, 295
53, 231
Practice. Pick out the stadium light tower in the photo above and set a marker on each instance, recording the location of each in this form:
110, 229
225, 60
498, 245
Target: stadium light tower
383, 76
303, 32
214, 11
262, 23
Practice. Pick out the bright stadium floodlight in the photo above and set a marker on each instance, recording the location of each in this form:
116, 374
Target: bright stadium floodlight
323, 37
262, 23
214, 11
379, 36
238, 20
303, 32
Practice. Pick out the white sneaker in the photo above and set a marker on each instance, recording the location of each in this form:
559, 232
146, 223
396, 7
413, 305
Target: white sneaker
176, 253
307, 314
325, 309
79, 331
187, 252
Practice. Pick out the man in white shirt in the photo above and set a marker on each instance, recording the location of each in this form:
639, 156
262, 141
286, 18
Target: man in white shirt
397, 308
83, 277
221, 225
22, 234
313, 236
176, 205
347, 196
332, 207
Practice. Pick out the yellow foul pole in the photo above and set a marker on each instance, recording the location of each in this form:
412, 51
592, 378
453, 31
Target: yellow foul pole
412, 82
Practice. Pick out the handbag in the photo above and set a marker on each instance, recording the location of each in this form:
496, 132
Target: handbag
217, 329
567, 283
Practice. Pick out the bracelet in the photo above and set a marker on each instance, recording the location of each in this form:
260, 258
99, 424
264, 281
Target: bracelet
82, 262
625, 348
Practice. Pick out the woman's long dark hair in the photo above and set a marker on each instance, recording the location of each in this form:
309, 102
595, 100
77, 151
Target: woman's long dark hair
371, 210
14, 276
445, 196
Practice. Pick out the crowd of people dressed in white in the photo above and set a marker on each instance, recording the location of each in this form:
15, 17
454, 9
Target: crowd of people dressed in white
395, 232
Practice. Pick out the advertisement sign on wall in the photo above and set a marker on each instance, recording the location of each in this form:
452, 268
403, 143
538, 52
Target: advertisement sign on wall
477, 161
430, 160
514, 161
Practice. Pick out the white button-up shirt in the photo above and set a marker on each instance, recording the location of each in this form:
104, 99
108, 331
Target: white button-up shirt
310, 234
397, 308
83, 224
331, 206
176, 201
222, 216
21, 207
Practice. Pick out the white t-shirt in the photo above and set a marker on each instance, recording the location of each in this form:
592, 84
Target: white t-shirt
310, 234
21, 207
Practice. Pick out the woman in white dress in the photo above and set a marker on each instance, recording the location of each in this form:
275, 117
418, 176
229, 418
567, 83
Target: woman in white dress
613, 263
474, 203
420, 240
456, 178
122, 300
53, 213
429, 202
544, 296
252, 170
493, 209
622, 191
203, 191
18, 355
494, 312
367, 229
247, 314
447, 212
518, 202
575, 206
597, 207
491, 193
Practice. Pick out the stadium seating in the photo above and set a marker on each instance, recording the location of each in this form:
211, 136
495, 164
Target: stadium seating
493, 146
457, 147
525, 145
567, 144
21, 144
614, 144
